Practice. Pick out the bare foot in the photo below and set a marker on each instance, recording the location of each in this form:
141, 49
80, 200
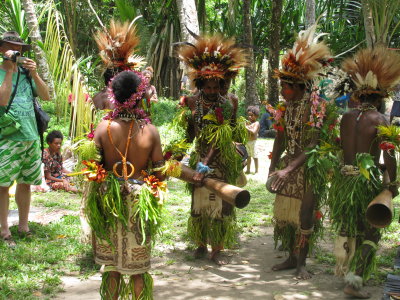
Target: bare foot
350, 290
247, 172
219, 258
302, 273
200, 252
290, 263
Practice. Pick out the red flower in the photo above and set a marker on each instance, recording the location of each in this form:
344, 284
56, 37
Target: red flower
386, 146
270, 155
278, 127
167, 155
183, 101
70, 98
318, 215
90, 135
219, 115
87, 97
338, 140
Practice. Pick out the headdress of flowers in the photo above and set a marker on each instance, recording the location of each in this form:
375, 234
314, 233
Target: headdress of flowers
130, 106
212, 57
306, 59
373, 71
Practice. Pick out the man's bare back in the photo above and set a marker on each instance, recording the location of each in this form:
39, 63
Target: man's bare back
359, 136
145, 145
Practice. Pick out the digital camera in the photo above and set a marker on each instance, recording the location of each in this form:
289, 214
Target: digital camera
16, 57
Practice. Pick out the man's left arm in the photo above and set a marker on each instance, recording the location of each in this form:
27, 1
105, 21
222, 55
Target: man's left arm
41, 87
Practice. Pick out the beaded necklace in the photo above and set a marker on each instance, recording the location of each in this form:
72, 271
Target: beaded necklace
365, 107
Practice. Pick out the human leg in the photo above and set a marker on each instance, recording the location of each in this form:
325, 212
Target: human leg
362, 264
110, 285
4, 204
306, 230
256, 164
23, 199
248, 165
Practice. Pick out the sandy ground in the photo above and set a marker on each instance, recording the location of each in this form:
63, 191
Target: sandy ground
248, 276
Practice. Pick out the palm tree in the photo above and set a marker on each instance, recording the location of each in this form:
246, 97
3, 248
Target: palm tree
251, 96
310, 12
368, 23
188, 18
275, 34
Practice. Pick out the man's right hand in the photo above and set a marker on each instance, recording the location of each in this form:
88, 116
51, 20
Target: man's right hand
9, 65
198, 179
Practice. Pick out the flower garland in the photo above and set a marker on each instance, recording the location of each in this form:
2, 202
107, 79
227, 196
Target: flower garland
318, 109
130, 105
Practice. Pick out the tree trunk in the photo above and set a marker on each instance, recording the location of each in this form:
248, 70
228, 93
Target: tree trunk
310, 13
368, 24
251, 96
273, 59
188, 18
34, 34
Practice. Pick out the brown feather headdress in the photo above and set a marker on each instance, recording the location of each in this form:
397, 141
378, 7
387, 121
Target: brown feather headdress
117, 46
212, 57
373, 71
306, 59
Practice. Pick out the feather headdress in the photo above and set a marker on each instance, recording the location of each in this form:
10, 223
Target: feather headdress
373, 71
117, 46
306, 59
212, 57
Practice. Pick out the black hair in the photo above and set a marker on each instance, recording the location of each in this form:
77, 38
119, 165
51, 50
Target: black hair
110, 73
124, 85
55, 134
370, 98
200, 82
254, 110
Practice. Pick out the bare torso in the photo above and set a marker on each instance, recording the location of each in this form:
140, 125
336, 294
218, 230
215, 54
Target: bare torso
360, 136
145, 144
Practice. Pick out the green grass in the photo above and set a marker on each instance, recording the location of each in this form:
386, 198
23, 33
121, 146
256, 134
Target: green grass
35, 266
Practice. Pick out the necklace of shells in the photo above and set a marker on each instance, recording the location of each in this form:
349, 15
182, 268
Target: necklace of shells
294, 116
201, 102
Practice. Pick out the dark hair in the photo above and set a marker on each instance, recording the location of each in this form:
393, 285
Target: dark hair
370, 98
55, 134
254, 110
110, 73
199, 83
124, 85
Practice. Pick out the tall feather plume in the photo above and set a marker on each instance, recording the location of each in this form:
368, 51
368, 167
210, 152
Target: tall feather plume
307, 57
373, 70
117, 45
212, 56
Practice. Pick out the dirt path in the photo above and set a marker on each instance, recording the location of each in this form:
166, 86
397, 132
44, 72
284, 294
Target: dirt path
249, 276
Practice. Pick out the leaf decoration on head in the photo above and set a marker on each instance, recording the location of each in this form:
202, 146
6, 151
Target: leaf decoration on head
117, 46
373, 71
212, 57
306, 59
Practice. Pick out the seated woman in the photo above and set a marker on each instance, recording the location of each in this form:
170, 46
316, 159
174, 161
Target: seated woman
54, 172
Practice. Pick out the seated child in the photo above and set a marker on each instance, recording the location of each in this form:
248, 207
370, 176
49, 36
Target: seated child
54, 172
253, 126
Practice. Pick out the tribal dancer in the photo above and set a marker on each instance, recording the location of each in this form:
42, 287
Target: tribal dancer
211, 121
373, 72
298, 123
123, 202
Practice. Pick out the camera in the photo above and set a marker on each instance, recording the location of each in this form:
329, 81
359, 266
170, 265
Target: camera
16, 57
